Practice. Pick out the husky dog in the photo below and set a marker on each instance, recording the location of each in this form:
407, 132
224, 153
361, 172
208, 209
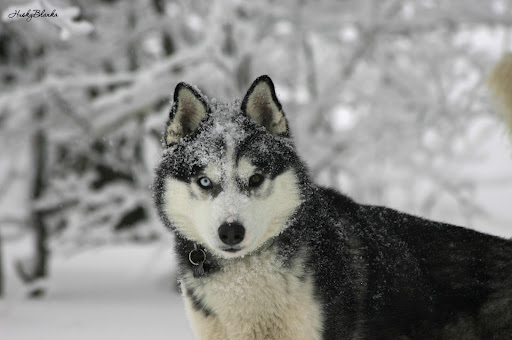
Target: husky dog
265, 253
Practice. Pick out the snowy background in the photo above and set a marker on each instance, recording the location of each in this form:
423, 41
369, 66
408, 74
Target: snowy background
386, 100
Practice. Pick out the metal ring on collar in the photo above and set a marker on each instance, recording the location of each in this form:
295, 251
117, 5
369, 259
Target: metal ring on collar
190, 257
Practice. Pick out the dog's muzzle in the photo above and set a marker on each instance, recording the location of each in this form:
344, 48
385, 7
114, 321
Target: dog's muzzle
231, 233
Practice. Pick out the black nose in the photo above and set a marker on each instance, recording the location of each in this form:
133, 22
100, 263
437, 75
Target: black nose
231, 233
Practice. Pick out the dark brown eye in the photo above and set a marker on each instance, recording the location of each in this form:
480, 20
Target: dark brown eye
256, 180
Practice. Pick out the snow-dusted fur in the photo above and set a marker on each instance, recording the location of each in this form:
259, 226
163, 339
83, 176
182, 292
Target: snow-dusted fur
500, 83
265, 253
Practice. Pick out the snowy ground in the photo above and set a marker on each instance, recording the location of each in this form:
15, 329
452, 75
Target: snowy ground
121, 292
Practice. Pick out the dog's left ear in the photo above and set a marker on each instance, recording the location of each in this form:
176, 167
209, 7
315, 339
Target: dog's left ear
189, 109
261, 105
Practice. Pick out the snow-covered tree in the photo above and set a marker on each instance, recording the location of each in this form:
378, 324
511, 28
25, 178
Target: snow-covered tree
384, 98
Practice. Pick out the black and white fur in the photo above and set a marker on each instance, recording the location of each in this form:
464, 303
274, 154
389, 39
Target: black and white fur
265, 253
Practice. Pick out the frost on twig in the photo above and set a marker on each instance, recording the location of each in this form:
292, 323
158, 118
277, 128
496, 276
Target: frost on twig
62, 17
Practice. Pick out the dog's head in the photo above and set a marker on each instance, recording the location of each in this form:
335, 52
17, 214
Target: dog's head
230, 177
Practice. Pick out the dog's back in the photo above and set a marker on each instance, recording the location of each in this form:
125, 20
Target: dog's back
424, 279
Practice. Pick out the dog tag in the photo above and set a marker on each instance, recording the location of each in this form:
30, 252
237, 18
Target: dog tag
198, 264
199, 270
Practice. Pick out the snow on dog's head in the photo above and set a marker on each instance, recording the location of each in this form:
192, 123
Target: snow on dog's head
228, 179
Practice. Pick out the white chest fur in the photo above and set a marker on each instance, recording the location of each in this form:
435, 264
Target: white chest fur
256, 298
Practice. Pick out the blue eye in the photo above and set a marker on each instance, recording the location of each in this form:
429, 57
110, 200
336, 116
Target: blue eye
204, 182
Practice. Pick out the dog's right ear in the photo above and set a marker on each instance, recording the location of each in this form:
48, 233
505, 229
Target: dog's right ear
188, 110
262, 106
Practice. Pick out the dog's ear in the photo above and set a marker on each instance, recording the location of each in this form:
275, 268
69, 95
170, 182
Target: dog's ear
188, 110
261, 105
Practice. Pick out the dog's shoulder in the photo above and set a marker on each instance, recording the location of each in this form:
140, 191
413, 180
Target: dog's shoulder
342, 203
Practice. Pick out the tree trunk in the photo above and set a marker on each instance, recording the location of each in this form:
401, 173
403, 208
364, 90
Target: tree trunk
40, 230
37, 267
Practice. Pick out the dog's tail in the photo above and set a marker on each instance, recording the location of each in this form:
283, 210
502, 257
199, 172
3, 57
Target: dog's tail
500, 83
